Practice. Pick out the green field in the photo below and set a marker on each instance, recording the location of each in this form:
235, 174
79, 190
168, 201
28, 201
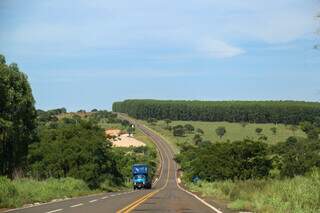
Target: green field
235, 131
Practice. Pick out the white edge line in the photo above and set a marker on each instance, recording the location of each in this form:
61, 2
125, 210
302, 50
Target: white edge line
105, 197
79, 204
57, 210
58, 201
92, 201
198, 198
190, 193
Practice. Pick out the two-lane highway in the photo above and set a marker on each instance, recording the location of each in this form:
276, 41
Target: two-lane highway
165, 196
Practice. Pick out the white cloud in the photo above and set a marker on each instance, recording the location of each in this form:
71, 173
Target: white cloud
219, 49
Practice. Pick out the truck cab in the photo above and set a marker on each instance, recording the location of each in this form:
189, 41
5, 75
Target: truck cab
141, 176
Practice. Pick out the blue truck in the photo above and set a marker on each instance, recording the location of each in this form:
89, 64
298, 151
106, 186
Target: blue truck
141, 176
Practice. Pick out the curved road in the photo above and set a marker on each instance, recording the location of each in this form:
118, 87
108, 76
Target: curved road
165, 196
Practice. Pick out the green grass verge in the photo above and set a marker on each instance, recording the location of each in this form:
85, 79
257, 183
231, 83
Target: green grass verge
15, 193
300, 194
235, 131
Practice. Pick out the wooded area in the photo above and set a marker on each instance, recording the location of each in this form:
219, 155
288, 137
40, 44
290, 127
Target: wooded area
287, 112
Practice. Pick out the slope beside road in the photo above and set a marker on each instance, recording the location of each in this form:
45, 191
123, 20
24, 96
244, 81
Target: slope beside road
165, 196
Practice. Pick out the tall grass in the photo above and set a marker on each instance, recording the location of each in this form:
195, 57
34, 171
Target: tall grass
300, 194
15, 193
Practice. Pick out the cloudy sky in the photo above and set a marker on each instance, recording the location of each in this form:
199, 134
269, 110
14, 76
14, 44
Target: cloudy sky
85, 54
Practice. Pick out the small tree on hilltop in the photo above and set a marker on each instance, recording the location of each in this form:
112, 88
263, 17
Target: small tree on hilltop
273, 130
167, 121
259, 131
244, 124
221, 131
178, 131
199, 131
189, 128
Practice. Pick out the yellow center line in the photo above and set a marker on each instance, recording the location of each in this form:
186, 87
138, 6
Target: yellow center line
138, 202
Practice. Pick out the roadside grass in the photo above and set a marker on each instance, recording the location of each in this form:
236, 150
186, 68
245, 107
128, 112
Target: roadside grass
299, 194
15, 193
235, 131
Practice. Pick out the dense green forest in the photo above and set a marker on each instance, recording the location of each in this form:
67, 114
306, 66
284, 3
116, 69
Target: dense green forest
17, 118
287, 112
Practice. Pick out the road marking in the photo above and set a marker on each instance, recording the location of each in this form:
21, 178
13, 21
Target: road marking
57, 210
198, 198
92, 201
112, 195
79, 204
138, 202
104, 197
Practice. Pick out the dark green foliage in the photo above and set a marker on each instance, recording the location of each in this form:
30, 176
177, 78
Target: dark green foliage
152, 121
258, 131
287, 112
50, 115
220, 131
239, 160
167, 121
197, 139
189, 128
310, 129
200, 131
178, 131
17, 118
105, 116
73, 149
296, 157
273, 130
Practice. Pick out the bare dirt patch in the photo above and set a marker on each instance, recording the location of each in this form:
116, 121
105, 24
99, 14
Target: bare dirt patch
125, 140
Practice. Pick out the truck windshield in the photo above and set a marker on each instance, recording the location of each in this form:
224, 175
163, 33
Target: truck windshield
138, 176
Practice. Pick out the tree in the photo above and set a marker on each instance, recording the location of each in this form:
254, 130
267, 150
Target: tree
259, 131
221, 131
197, 139
94, 110
243, 124
313, 134
69, 150
273, 130
306, 126
189, 128
17, 118
199, 131
167, 121
178, 131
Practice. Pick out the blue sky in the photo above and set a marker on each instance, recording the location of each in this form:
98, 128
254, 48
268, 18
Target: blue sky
85, 54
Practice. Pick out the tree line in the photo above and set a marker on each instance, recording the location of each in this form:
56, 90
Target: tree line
286, 112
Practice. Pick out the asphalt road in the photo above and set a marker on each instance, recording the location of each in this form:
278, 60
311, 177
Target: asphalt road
165, 196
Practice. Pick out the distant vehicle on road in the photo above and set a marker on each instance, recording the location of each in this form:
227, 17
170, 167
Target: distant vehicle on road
141, 176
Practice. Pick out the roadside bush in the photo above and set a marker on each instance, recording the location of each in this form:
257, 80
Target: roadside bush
77, 150
239, 160
296, 157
